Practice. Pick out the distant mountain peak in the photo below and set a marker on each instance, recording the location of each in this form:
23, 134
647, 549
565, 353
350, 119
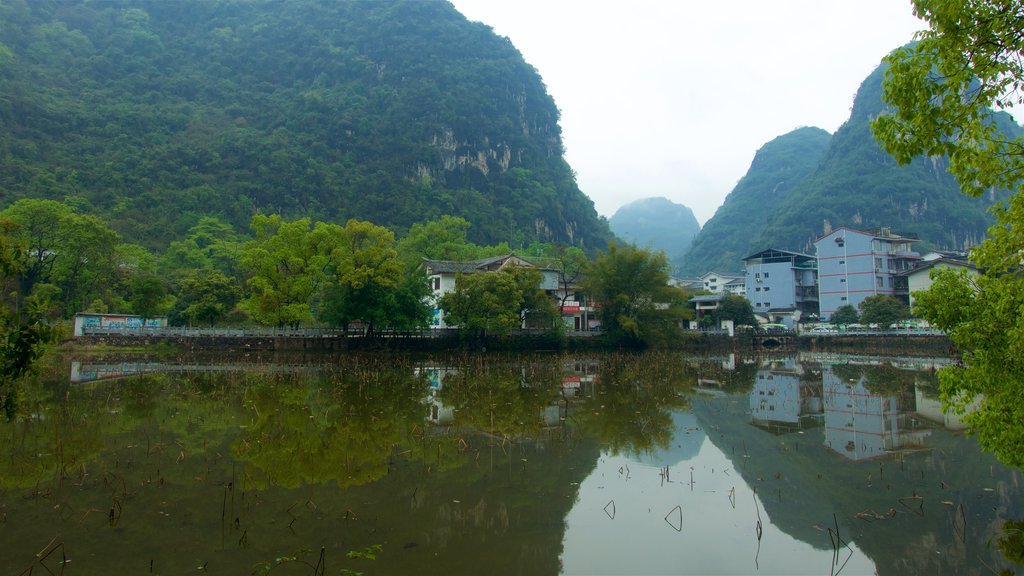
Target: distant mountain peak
656, 223
807, 181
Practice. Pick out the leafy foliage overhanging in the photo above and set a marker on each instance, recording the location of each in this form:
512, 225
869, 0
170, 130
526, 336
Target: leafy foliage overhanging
943, 90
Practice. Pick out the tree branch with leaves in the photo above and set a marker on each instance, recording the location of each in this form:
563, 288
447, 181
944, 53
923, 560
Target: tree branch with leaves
946, 92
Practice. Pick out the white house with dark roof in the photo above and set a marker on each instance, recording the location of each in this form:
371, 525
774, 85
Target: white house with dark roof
577, 312
441, 275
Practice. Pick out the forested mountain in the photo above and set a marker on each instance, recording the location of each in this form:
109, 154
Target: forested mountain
778, 167
657, 223
859, 185
153, 113
797, 189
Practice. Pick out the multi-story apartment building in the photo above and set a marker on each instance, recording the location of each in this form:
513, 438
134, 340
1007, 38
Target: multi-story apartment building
781, 281
855, 264
717, 283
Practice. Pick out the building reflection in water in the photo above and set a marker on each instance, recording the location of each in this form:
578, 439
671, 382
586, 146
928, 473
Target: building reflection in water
861, 425
783, 398
579, 380
790, 395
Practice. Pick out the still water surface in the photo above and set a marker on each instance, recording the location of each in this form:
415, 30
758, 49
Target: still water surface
539, 464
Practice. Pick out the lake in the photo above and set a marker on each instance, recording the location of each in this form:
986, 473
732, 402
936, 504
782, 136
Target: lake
655, 463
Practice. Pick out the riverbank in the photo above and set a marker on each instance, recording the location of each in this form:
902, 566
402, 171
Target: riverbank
327, 342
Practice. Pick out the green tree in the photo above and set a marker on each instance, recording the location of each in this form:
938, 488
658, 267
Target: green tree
86, 268
845, 314
288, 262
638, 306
205, 296
944, 87
943, 90
368, 283
883, 309
210, 243
982, 316
74, 252
410, 302
486, 302
149, 297
536, 308
442, 239
736, 308
40, 228
23, 333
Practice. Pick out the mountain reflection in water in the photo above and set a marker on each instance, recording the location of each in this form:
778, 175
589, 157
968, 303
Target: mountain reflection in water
537, 464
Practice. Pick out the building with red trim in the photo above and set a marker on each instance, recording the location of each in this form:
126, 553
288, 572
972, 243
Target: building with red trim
855, 264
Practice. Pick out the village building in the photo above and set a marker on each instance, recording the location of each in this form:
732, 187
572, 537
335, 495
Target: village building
856, 264
782, 286
919, 277
577, 312
717, 283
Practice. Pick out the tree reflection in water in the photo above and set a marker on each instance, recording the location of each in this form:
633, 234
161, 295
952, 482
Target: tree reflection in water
465, 463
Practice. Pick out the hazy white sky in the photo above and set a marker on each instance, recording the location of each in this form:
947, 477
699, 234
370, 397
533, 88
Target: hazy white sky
673, 97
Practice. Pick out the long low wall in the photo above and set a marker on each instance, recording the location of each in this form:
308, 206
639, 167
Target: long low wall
939, 345
223, 343
337, 342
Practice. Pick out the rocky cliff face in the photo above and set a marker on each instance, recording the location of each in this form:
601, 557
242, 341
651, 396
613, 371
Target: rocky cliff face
155, 113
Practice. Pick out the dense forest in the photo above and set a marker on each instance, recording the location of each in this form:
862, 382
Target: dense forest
152, 114
806, 182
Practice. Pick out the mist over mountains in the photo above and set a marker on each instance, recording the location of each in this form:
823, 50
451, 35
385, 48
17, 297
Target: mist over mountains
806, 182
657, 224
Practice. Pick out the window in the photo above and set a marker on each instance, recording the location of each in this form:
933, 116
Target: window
767, 288
842, 280
843, 298
765, 274
437, 282
758, 289
842, 262
878, 264
880, 281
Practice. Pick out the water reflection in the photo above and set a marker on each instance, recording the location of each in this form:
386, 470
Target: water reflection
536, 464
785, 396
860, 424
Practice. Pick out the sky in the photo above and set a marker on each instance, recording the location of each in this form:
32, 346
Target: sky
672, 98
